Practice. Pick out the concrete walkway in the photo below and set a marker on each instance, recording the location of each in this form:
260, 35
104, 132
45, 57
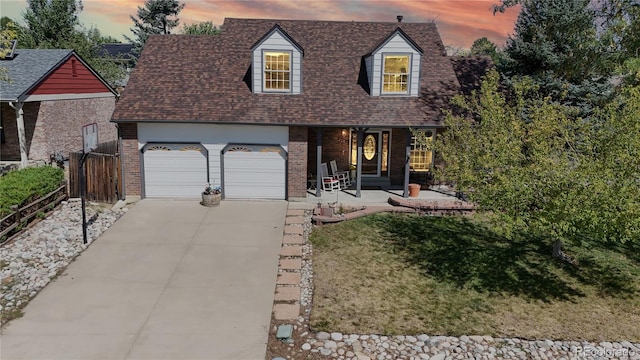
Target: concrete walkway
169, 280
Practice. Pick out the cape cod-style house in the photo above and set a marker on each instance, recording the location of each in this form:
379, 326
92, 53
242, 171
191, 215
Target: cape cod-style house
260, 107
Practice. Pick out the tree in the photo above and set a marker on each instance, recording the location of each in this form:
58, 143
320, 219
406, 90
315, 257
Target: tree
484, 47
557, 36
618, 22
202, 28
156, 17
7, 35
552, 173
54, 24
556, 43
51, 23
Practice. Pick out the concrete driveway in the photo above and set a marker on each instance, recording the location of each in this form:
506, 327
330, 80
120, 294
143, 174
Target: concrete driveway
169, 280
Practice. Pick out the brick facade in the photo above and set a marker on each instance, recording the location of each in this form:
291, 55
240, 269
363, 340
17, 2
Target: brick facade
56, 126
398, 155
297, 162
130, 159
335, 146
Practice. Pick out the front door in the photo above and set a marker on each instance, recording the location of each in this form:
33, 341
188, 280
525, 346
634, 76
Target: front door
375, 152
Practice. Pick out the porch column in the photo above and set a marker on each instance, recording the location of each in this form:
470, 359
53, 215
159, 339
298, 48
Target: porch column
318, 162
359, 163
407, 163
22, 139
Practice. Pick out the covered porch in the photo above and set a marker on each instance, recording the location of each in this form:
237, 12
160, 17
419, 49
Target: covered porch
381, 159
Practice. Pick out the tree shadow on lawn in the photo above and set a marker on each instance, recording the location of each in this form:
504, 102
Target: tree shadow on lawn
468, 255
613, 269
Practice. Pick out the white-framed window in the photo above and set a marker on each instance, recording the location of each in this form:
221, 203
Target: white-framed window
277, 70
395, 74
421, 153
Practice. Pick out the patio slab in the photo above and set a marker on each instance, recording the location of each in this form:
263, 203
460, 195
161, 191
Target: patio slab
367, 198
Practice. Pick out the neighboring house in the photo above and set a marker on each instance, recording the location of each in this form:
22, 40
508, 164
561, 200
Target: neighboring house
257, 108
121, 55
52, 94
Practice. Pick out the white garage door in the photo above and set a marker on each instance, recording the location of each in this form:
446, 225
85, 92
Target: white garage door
254, 172
174, 170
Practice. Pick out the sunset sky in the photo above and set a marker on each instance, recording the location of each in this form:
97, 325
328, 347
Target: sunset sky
460, 22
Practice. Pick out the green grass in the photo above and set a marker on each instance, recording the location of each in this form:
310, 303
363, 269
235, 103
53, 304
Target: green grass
406, 274
21, 186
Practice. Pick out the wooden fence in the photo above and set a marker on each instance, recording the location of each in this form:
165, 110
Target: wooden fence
102, 169
20, 217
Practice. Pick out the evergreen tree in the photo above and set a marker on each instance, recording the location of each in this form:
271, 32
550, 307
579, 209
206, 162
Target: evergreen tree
156, 17
556, 43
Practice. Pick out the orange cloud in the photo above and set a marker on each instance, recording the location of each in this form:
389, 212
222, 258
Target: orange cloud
460, 22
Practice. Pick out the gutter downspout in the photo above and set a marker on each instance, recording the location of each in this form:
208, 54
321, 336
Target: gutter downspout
123, 190
24, 160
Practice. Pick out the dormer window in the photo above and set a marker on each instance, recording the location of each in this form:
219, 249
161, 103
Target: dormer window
277, 71
393, 67
276, 64
396, 74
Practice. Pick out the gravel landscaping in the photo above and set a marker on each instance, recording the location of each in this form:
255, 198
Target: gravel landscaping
34, 258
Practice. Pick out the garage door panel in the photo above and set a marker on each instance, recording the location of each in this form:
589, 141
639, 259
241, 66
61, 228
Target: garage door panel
254, 175
174, 171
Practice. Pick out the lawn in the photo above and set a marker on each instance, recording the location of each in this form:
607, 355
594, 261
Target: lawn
408, 274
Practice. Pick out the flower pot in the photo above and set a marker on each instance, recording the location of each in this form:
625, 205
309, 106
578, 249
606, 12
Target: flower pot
211, 199
414, 190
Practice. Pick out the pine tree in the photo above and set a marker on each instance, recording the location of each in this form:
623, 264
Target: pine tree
556, 43
156, 17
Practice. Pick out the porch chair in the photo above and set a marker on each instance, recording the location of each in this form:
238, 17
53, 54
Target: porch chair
329, 183
343, 176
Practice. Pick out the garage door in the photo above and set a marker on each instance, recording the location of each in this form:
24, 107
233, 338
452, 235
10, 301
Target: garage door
174, 170
254, 172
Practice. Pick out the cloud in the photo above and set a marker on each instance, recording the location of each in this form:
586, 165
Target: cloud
460, 22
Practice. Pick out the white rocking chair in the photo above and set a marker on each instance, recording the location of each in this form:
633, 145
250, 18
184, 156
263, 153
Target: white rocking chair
343, 176
329, 183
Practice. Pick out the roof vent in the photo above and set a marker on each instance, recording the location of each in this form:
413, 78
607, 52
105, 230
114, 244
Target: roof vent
399, 17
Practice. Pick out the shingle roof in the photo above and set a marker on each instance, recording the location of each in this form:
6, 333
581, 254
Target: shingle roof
470, 70
187, 78
117, 50
27, 68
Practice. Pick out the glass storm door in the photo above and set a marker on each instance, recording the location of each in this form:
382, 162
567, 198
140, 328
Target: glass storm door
375, 152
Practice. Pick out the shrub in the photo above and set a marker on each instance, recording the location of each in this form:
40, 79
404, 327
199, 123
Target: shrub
21, 186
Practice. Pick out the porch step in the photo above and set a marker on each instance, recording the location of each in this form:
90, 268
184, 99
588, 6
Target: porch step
377, 182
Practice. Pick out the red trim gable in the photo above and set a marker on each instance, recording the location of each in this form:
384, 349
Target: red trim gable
71, 77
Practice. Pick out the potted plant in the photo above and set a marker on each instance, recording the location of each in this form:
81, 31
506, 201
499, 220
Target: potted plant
211, 196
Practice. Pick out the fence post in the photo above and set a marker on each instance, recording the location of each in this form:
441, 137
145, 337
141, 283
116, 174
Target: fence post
16, 208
